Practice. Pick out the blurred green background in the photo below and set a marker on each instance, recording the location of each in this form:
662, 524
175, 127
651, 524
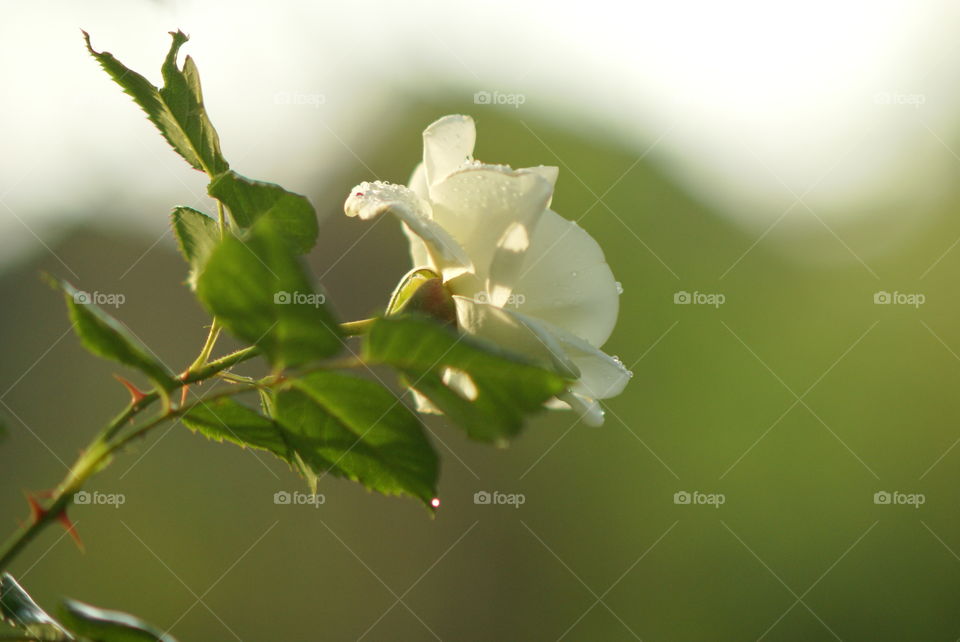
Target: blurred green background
798, 399
686, 134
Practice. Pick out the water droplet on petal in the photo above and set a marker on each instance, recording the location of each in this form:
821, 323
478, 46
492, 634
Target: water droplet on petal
620, 365
619, 288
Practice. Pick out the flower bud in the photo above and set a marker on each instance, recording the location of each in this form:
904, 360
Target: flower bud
422, 291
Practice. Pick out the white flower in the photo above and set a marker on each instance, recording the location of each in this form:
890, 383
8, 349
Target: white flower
521, 276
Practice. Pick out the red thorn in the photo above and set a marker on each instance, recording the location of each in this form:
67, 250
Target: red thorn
69, 526
186, 386
136, 394
36, 510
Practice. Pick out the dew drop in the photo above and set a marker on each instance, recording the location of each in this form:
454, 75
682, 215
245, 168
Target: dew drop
435, 502
619, 363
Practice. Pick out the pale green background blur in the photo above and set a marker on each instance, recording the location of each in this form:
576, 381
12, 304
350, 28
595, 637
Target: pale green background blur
798, 399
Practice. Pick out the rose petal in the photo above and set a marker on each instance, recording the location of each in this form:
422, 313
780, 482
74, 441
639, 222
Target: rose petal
418, 182
444, 254
515, 333
424, 405
447, 144
418, 249
588, 410
549, 172
566, 281
601, 376
483, 207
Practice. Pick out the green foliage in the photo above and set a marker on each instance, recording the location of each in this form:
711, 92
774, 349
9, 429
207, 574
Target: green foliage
330, 423
247, 273
501, 388
176, 109
104, 336
357, 429
259, 290
20, 611
250, 200
100, 625
78, 621
226, 420
197, 234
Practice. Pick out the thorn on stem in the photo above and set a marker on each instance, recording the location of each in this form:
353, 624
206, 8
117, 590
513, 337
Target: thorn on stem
38, 512
136, 395
71, 528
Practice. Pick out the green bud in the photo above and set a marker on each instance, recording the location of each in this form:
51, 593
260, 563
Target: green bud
422, 291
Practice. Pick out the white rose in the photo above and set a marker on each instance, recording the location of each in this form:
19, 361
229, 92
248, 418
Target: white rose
522, 276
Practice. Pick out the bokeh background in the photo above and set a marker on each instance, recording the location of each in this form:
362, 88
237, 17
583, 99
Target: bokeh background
795, 158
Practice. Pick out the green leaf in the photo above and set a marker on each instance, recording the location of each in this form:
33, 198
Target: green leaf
105, 337
357, 429
250, 200
19, 610
259, 290
176, 109
101, 625
502, 387
332, 423
226, 420
197, 235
